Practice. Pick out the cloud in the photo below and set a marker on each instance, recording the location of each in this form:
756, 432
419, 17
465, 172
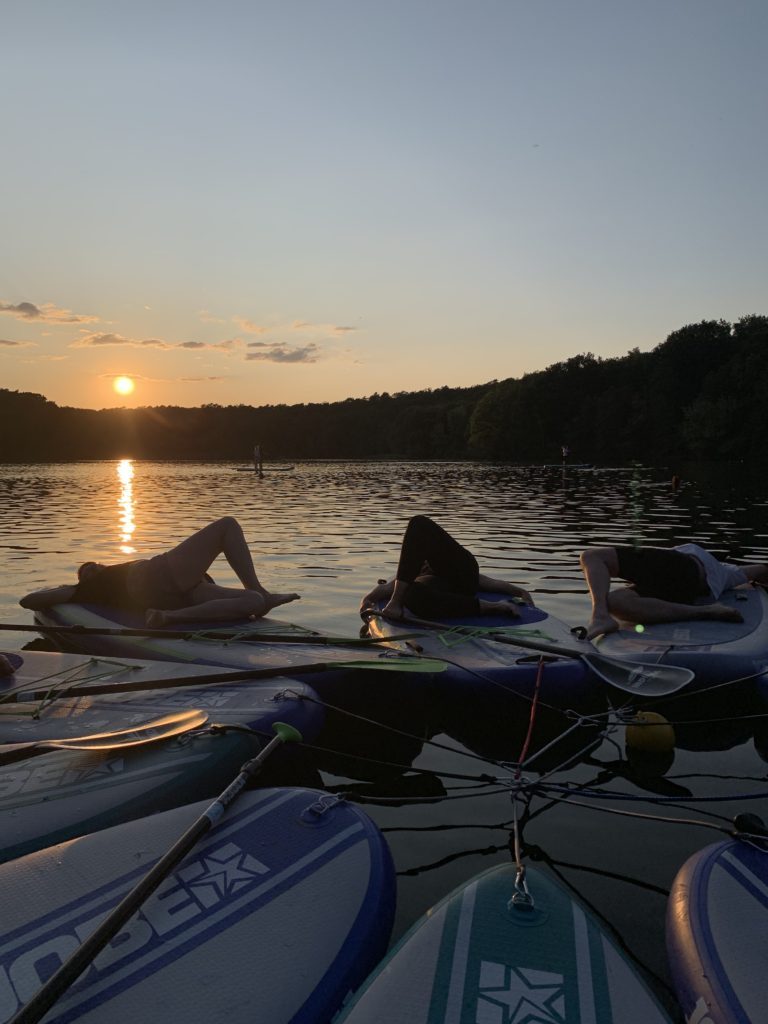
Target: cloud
15, 344
142, 379
249, 326
47, 313
304, 325
103, 340
279, 352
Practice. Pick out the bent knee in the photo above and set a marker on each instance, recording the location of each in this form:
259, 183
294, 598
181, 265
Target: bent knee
594, 556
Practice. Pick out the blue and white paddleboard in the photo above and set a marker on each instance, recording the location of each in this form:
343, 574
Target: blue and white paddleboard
487, 667
716, 935
716, 651
257, 704
475, 960
63, 794
273, 917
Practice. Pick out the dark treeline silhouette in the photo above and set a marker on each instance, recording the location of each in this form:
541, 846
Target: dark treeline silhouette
698, 395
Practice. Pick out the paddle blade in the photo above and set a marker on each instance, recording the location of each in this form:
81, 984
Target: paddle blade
162, 728
643, 680
430, 665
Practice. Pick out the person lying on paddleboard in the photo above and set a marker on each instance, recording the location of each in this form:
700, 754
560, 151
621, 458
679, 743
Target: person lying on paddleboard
438, 578
663, 585
174, 586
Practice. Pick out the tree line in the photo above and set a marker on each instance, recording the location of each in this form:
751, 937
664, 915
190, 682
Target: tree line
700, 394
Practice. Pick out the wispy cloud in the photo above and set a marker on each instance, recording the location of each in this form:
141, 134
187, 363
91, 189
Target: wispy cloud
47, 313
279, 352
248, 326
143, 379
104, 340
15, 344
325, 329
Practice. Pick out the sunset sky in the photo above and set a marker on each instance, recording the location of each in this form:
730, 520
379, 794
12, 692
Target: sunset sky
280, 201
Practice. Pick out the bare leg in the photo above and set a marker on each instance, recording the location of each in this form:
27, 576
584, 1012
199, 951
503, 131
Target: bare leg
599, 566
192, 558
627, 604
220, 603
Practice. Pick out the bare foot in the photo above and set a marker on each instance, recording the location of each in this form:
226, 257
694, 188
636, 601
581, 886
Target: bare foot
721, 613
154, 618
601, 625
499, 608
273, 600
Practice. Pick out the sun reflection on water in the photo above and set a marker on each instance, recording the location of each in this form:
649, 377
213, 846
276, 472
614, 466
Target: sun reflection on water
125, 504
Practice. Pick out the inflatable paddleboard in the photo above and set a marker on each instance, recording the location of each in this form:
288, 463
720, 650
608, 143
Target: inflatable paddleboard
716, 651
274, 916
716, 925
475, 960
487, 668
244, 651
256, 705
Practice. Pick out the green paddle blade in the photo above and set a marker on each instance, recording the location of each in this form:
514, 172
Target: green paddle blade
415, 665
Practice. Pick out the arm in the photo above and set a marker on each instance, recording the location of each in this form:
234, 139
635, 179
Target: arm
501, 587
380, 592
45, 598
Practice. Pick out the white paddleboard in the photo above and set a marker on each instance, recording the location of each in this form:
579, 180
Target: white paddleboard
475, 960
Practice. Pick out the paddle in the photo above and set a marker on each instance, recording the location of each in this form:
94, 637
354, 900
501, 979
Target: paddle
150, 732
625, 674
408, 663
71, 969
243, 635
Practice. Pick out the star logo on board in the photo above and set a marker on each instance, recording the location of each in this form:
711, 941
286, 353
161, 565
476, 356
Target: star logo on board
511, 995
222, 873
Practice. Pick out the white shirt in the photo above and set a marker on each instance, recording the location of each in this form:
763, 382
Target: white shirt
720, 575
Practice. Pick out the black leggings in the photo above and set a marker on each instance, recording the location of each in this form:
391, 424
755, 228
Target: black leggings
442, 576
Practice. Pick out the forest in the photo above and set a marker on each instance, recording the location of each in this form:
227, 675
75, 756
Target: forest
700, 394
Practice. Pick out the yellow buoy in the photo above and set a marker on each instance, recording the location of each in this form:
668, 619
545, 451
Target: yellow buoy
650, 732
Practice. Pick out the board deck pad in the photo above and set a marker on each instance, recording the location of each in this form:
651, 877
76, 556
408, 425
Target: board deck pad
475, 960
273, 916
716, 934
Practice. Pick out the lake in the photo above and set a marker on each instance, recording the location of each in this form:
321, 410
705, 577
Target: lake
330, 529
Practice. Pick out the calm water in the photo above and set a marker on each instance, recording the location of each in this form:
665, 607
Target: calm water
329, 530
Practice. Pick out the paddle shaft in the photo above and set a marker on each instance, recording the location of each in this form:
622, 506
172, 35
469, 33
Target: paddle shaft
409, 663
207, 634
71, 969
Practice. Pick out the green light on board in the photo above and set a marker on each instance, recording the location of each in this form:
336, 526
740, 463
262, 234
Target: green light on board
639, 628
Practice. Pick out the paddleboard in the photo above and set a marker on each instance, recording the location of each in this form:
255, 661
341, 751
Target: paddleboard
247, 651
257, 704
487, 668
266, 469
274, 916
474, 959
715, 651
716, 922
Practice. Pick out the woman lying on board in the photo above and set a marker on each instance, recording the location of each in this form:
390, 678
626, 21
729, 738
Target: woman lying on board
174, 586
438, 578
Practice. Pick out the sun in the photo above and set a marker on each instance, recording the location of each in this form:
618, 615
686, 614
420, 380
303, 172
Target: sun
123, 385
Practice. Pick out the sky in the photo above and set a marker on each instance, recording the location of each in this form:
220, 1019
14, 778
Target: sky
286, 201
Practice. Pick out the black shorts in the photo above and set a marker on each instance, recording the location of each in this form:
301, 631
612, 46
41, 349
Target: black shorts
663, 573
151, 585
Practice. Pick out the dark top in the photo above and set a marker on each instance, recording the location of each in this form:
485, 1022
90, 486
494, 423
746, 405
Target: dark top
107, 586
